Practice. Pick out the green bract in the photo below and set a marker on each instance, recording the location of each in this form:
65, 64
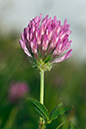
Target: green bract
41, 65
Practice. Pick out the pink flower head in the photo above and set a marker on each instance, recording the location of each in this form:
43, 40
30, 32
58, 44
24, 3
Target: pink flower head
17, 91
46, 42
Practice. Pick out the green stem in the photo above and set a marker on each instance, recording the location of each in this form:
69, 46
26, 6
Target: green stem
41, 94
41, 86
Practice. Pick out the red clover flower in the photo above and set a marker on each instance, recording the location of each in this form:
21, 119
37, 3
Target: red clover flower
46, 42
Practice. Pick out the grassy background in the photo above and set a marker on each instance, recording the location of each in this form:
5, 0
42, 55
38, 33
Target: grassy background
66, 83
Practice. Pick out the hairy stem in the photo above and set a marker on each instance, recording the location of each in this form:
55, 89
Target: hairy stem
41, 95
42, 87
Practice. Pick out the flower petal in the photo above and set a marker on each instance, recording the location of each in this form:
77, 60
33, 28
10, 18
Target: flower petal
64, 57
27, 52
22, 44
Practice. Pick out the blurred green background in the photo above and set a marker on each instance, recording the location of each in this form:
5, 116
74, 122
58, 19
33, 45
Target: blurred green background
66, 82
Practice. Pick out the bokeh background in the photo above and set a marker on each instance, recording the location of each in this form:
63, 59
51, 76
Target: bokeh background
66, 82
